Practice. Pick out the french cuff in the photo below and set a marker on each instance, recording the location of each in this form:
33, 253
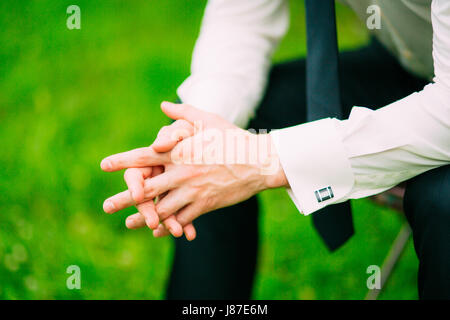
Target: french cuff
315, 164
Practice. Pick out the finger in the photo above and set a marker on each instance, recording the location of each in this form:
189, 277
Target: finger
189, 232
176, 229
170, 135
153, 187
147, 209
172, 225
134, 178
172, 202
135, 221
184, 111
189, 213
164, 182
137, 158
160, 232
118, 202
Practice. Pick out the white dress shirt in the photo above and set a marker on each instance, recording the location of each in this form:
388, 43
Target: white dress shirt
368, 153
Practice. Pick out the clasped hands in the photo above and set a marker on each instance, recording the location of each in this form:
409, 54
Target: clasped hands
199, 163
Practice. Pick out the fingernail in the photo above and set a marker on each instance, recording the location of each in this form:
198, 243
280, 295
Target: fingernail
106, 165
109, 206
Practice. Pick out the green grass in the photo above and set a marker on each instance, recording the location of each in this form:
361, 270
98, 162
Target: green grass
69, 98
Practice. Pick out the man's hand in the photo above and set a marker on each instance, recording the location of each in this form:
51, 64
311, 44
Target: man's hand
167, 138
135, 178
204, 172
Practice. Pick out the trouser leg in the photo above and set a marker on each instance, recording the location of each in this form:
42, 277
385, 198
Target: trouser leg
427, 207
220, 263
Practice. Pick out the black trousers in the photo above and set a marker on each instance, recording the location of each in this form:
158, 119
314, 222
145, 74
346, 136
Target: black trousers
220, 263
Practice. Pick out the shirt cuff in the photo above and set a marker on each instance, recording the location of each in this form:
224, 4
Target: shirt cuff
314, 161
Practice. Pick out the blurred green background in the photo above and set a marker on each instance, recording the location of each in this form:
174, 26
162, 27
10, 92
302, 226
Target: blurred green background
70, 97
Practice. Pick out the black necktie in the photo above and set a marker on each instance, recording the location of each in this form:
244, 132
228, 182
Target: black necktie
334, 223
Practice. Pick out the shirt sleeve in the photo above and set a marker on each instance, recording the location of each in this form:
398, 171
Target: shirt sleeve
330, 161
232, 56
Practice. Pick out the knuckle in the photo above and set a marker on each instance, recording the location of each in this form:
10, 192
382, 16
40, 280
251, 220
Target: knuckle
141, 161
149, 192
166, 182
210, 202
143, 157
183, 219
199, 170
190, 194
203, 170
184, 124
127, 174
176, 155
178, 134
163, 130
187, 173
162, 211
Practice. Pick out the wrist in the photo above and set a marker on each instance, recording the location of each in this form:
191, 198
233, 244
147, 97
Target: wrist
272, 173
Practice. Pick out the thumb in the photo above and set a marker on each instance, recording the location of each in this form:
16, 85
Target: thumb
183, 111
169, 136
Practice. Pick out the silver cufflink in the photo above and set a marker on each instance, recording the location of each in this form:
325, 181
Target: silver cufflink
324, 194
